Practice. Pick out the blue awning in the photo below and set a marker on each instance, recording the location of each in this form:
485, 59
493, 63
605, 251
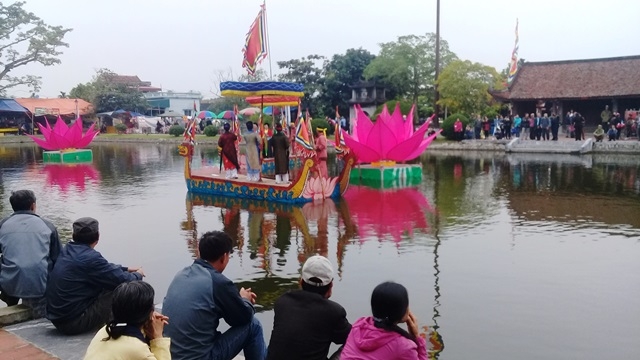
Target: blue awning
10, 105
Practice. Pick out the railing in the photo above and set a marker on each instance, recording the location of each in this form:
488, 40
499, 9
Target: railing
169, 94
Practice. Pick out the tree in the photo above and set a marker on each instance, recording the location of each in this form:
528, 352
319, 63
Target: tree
260, 75
106, 95
340, 73
407, 66
25, 39
464, 87
305, 71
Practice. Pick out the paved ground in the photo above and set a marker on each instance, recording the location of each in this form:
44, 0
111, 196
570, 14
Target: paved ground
13, 347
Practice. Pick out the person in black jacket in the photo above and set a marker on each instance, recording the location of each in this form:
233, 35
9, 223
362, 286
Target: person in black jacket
79, 290
306, 322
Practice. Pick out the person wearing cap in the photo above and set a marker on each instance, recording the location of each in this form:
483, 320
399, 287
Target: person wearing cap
321, 151
199, 296
306, 322
30, 247
80, 286
279, 145
227, 149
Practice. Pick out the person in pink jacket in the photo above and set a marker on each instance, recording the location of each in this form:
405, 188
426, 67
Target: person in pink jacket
321, 151
379, 337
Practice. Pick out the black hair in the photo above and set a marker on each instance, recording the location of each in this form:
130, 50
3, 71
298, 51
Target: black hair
320, 290
132, 305
249, 125
22, 200
214, 244
86, 238
389, 304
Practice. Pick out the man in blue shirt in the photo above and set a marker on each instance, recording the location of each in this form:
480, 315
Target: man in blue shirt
199, 296
29, 246
80, 286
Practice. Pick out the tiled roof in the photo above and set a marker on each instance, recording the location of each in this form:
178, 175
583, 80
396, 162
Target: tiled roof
577, 79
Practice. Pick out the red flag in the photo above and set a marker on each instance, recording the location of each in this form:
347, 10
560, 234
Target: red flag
194, 106
255, 45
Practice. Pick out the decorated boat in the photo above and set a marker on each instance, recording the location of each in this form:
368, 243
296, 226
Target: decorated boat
305, 186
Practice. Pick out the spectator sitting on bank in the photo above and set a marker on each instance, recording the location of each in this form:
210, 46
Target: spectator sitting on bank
199, 296
136, 329
612, 133
379, 337
292, 336
599, 134
430, 131
80, 287
468, 134
30, 247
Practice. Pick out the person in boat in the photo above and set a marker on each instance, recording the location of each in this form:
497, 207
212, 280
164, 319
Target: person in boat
321, 152
268, 133
227, 149
292, 336
279, 145
253, 140
136, 329
199, 296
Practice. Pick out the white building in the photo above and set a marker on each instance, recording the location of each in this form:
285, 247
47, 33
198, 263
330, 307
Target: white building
180, 102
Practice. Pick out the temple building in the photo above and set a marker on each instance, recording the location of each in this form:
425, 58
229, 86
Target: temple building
585, 86
368, 95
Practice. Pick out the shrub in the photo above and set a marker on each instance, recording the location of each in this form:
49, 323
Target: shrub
447, 124
211, 130
176, 130
405, 107
120, 128
319, 123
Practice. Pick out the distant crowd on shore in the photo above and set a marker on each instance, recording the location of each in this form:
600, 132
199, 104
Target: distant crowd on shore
79, 291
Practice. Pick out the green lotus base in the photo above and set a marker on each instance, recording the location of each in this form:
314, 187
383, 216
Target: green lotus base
68, 157
397, 176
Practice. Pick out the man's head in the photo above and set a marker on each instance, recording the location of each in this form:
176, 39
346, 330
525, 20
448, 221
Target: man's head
226, 127
317, 276
23, 200
249, 125
86, 231
266, 126
278, 127
215, 247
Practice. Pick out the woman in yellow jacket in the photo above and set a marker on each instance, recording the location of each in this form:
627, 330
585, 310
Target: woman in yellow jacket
136, 329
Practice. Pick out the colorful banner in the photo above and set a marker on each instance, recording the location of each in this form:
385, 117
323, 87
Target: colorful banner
255, 45
513, 66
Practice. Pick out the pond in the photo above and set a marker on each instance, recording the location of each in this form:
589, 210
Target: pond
505, 256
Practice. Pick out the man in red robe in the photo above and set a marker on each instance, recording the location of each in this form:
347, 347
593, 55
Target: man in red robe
227, 149
321, 151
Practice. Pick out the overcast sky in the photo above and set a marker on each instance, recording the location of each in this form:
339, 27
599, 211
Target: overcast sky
180, 44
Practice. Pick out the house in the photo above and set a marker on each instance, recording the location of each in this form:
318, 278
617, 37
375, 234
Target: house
180, 102
368, 95
585, 86
133, 81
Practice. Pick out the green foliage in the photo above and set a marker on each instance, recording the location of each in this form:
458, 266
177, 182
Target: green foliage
342, 71
305, 71
319, 123
106, 95
405, 108
120, 128
210, 130
464, 86
407, 66
177, 130
447, 124
25, 39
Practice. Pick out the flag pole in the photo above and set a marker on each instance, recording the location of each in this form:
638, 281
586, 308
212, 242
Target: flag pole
266, 26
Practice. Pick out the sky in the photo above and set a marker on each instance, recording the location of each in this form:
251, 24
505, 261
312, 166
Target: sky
181, 45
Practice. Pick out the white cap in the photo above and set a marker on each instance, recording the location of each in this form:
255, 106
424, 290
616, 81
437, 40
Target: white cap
317, 271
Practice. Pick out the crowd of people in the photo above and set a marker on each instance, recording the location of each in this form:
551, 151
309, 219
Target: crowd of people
79, 291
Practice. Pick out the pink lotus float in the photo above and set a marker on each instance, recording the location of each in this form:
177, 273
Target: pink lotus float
65, 144
390, 138
319, 188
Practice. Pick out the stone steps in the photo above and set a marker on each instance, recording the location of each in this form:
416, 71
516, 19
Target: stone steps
549, 147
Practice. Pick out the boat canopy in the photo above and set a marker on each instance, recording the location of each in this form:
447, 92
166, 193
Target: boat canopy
244, 89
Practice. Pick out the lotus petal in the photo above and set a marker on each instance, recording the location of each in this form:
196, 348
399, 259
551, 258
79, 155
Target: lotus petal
423, 145
362, 151
401, 151
87, 138
408, 124
364, 125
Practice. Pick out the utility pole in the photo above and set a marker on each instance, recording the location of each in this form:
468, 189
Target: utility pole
436, 97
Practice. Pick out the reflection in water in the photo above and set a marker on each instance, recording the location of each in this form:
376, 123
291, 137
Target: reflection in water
403, 211
70, 177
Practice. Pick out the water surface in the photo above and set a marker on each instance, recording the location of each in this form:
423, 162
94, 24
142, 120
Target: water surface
508, 257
